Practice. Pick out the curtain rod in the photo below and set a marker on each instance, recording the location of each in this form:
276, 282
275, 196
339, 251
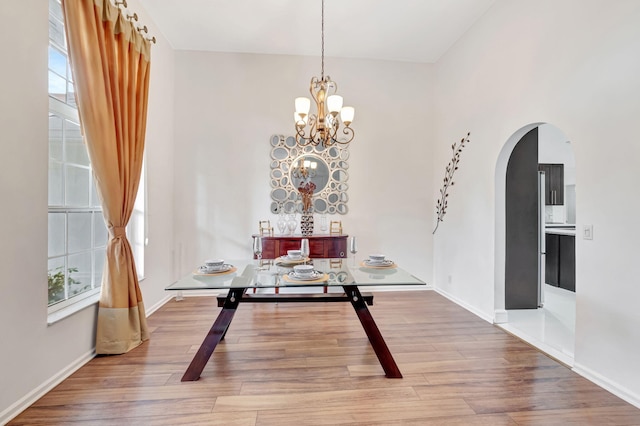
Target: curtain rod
134, 17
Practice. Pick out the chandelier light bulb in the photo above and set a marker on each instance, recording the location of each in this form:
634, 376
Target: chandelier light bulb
300, 121
302, 106
346, 114
334, 104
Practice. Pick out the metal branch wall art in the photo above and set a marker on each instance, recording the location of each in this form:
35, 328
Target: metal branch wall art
441, 205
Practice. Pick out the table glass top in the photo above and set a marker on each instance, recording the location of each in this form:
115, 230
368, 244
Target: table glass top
270, 274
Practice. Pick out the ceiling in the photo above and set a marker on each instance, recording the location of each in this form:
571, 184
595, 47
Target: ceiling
397, 30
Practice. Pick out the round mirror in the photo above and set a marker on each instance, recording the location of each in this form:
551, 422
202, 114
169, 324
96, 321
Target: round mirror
309, 168
290, 141
294, 165
342, 209
334, 152
280, 153
274, 208
289, 207
339, 175
319, 205
279, 194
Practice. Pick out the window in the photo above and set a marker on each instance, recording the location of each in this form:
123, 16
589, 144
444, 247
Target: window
77, 231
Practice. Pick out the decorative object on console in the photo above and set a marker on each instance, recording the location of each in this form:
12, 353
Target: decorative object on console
335, 227
264, 227
441, 205
293, 166
322, 128
306, 223
306, 190
282, 222
292, 224
323, 222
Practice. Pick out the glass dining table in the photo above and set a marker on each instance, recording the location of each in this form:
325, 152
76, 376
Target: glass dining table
273, 281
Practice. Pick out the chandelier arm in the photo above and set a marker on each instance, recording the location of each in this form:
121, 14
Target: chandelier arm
349, 134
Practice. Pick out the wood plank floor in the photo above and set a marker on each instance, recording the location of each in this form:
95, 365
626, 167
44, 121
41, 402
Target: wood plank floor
311, 364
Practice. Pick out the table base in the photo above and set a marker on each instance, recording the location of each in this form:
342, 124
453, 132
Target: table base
235, 296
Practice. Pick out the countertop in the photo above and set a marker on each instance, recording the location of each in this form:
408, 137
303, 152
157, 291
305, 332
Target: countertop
560, 231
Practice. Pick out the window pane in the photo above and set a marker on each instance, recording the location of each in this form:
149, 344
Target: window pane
100, 230
56, 184
56, 31
77, 186
75, 150
57, 87
79, 279
99, 256
57, 62
71, 95
55, 280
55, 137
79, 231
56, 234
55, 8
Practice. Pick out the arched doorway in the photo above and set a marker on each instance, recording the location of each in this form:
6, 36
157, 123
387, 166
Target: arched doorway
516, 280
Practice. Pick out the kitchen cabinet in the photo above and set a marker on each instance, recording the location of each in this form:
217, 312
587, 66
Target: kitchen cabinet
320, 246
567, 271
560, 261
553, 183
552, 259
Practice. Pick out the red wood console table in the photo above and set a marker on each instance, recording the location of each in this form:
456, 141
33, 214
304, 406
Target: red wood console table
320, 246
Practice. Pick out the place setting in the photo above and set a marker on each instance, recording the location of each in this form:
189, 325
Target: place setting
378, 261
215, 267
293, 257
305, 274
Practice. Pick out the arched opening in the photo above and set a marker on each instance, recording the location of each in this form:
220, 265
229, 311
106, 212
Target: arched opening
528, 302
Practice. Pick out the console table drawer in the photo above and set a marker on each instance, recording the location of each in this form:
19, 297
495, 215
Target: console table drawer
320, 246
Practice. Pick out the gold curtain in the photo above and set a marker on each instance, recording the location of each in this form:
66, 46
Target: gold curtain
110, 64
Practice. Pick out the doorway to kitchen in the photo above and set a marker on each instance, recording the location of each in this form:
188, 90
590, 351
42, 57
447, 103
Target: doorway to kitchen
539, 234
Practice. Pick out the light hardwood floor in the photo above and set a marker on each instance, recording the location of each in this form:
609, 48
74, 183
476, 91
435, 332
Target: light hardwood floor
296, 364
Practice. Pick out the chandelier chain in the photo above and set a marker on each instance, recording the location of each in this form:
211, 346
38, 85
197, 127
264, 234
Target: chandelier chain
322, 33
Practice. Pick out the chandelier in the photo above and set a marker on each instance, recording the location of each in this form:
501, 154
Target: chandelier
323, 127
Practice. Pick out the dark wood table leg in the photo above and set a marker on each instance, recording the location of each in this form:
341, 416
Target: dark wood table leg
373, 333
217, 332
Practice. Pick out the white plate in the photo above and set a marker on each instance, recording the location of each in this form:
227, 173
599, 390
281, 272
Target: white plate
225, 268
311, 277
292, 259
376, 263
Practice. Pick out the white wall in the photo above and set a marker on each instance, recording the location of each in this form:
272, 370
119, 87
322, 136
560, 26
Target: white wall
35, 355
229, 105
573, 64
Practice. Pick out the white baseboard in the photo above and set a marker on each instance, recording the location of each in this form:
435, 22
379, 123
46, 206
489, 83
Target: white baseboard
500, 316
158, 305
465, 305
26, 401
619, 391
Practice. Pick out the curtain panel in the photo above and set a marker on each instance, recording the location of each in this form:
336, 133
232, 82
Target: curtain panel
110, 62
